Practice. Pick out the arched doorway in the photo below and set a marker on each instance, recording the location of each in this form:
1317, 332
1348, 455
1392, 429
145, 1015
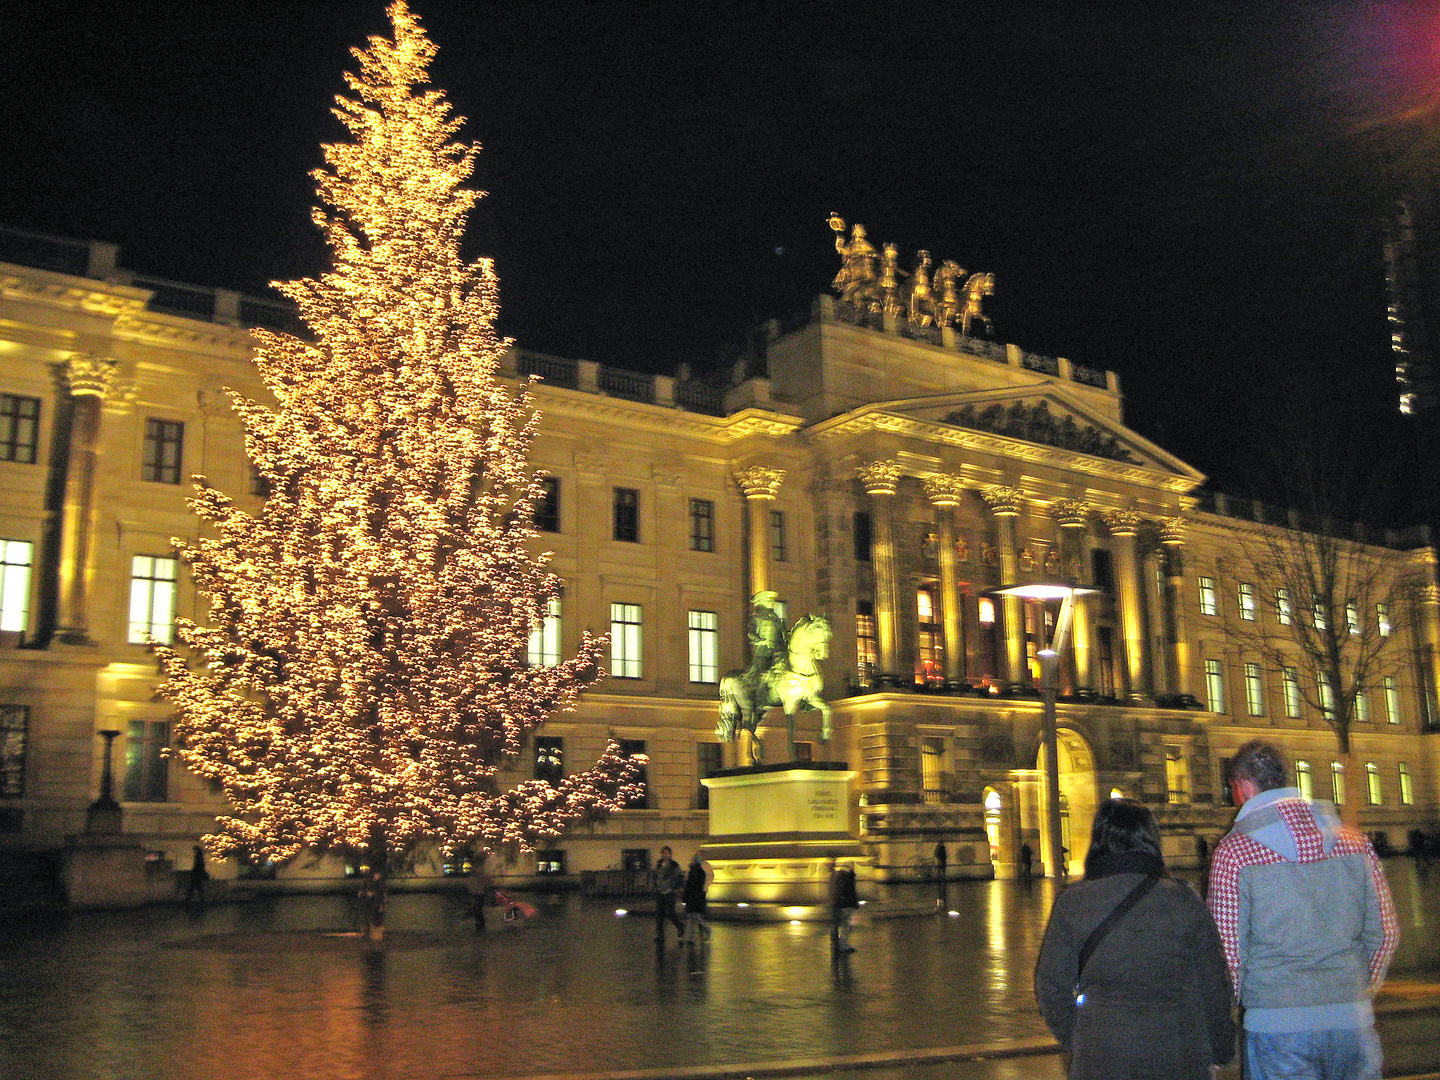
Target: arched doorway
994, 810
1077, 800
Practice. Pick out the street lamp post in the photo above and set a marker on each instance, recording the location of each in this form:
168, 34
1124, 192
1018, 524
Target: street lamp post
1049, 678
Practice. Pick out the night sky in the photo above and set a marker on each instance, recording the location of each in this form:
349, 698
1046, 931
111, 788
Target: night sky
1189, 194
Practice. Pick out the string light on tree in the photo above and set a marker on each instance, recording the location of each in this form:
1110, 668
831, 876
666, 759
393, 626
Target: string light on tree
364, 675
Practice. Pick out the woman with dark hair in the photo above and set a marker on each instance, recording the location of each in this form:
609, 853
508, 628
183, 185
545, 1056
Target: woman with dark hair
1132, 976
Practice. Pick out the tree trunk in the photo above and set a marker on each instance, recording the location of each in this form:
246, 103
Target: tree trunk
1350, 808
372, 891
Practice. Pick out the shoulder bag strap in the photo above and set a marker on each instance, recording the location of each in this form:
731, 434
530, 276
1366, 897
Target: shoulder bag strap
1098, 934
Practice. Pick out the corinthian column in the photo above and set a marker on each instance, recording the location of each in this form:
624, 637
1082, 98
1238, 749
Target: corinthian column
760, 486
1429, 603
944, 493
88, 379
1124, 526
1172, 536
1005, 503
1073, 517
880, 480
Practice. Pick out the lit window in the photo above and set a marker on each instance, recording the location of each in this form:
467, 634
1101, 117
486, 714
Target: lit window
1352, 617
1337, 782
543, 649
549, 759
146, 773
704, 646
625, 641
1177, 775
14, 742
152, 599
1382, 615
547, 507
1362, 707
1283, 611
867, 653
1208, 604
551, 861
778, 549
1303, 780
164, 441
1407, 793
1372, 782
627, 515
986, 611
1392, 700
1247, 601
19, 428
15, 556
702, 525
930, 662
1254, 690
1291, 678
1214, 686
1327, 697
1322, 622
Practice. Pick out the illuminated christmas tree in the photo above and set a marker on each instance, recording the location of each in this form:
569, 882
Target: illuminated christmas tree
365, 676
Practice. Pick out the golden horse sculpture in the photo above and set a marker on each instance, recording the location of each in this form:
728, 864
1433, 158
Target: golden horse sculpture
976, 289
947, 289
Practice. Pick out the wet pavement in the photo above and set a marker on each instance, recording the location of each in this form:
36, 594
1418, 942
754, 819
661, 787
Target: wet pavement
275, 988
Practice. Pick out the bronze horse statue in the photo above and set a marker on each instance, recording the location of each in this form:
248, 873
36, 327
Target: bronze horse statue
793, 683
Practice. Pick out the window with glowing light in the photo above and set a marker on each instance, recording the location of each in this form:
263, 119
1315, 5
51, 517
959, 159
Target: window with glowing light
779, 551
1337, 782
930, 658
632, 748
1304, 780
704, 646
15, 557
14, 743
867, 652
546, 515
1209, 605
163, 450
1327, 697
1177, 775
1392, 700
864, 536
1352, 617
625, 641
1214, 686
549, 758
627, 515
1254, 689
1318, 613
1372, 783
702, 525
550, 862
1407, 793
1362, 707
1382, 615
146, 768
1284, 613
985, 608
1247, 601
1291, 679
152, 599
19, 428
543, 648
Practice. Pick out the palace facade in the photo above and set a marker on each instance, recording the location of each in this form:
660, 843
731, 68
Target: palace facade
888, 478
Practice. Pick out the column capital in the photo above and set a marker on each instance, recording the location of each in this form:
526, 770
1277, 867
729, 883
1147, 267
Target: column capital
944, 489
880, 477
1428, 594
1122, 522
1070, 513
1172, 532
88, 375
1002, 500
760, 481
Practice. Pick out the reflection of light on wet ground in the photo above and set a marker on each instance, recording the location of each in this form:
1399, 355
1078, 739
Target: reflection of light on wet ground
255, 990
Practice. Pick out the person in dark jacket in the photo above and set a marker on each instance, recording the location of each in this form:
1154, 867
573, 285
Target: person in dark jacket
1154, 1000
844, 900
668, 880
697, 884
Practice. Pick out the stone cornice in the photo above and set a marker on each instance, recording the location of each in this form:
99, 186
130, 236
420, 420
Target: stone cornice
868, 420
557, 401
63, 290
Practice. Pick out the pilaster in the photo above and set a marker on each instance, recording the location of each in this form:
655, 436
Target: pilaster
881, 480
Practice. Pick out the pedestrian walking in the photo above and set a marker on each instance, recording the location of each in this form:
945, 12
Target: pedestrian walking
1131, 977
668, 879
1305, 913
478, 884
1027, 866
195, 885
941, 858
697, 885
844, 900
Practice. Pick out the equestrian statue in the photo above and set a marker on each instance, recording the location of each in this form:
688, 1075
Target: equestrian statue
784, 672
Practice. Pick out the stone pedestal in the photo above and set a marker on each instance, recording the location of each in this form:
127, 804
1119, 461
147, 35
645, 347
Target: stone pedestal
773, 831
105, 872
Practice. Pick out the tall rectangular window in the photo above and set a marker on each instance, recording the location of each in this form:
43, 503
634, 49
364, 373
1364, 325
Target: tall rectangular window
1392, 700
549, 759
547, 506
1382, 616
1177, 775
164, 442
19, 428
1337, 782
1208, 604
863, 536
146, 771
779, 551
704, 646
1214, 686
1254, 690
633, 748
1322, 620
1362, 707
1352, 617
14, 741
930, 661
1291, 678
702, 525
1304, 780
625, 641
934, 778
709, 760
627, 515
1407, 793
1247, 601
543, 649
1283, 611
867, 652
1372, 783
15, 556
1327, 697
152, 599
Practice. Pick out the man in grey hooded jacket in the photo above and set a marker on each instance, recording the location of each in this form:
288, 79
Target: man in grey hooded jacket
1305, 915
